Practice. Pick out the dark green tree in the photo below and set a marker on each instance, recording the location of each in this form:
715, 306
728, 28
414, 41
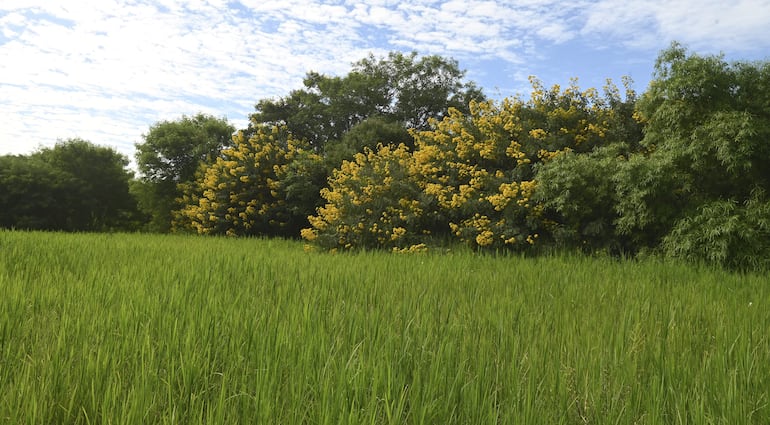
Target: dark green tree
170, 155
706, 160
419, 89
73, 186
400, 88
368, 133
36, 196
103, 176
578, 193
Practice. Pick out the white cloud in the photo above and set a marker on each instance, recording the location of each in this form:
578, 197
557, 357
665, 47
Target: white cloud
107, 69
713, 25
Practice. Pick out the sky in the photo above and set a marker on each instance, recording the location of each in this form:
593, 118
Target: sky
106, 70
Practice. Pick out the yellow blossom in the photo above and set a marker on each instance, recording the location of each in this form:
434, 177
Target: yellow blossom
485, 238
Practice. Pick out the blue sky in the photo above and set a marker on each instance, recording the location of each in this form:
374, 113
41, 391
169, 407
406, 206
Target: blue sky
105, 70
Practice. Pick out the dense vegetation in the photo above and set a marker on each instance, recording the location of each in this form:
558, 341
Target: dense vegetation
73, 186
403, 154
169, 158
128, 328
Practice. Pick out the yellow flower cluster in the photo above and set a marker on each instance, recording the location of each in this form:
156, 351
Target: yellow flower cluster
240, 192
573, 119
370, 201
471, 177
412, 249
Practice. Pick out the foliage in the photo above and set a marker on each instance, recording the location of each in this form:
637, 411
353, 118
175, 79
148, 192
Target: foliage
476, 176
575, 120
725, 233
471, 177
325, 109
401, 153
706, 126
102, 173
73, 186
245, 191
305, 175
371, 201
34, 195
374, 104
579, 185
399, 89
170, 155
651, 195
578, 193
420, 90
367, 134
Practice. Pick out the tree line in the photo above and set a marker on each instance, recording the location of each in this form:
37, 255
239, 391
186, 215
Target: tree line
404, 154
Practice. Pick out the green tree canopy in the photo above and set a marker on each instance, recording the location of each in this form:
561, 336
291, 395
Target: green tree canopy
170, 155
36, 196
104, 177
704, 175
73, 186
418, 90
400, 88
367, 134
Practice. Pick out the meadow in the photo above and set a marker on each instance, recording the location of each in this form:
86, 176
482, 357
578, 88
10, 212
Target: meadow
166, 329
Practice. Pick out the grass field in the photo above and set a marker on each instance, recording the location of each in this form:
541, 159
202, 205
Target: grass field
129, 329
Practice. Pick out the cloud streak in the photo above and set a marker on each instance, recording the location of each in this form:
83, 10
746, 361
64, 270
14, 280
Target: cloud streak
105, 70
713, 25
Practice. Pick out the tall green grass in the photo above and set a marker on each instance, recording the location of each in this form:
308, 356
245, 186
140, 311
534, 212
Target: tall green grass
128, 329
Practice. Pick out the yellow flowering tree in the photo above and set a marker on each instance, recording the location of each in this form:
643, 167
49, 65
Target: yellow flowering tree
475, 176
470, 177
574, 120
460, 182
244, 192
592, 136
371, 201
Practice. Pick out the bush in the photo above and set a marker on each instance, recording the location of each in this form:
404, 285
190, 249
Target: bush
245, 191
372, 201
578, 193
725, 233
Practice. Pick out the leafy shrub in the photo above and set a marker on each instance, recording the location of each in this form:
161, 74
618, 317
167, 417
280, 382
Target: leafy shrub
578, 193
696, 189
725, 233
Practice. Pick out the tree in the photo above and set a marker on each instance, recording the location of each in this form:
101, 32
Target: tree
73, 186
372, 201
707, 123
473, 176
726, 233
248, 189
399, 89
36, 196
578, 194
476, 176
170, 155
419, 90
367, 134
103, 175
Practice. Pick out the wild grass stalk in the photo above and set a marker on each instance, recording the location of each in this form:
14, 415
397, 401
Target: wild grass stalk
174, 329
